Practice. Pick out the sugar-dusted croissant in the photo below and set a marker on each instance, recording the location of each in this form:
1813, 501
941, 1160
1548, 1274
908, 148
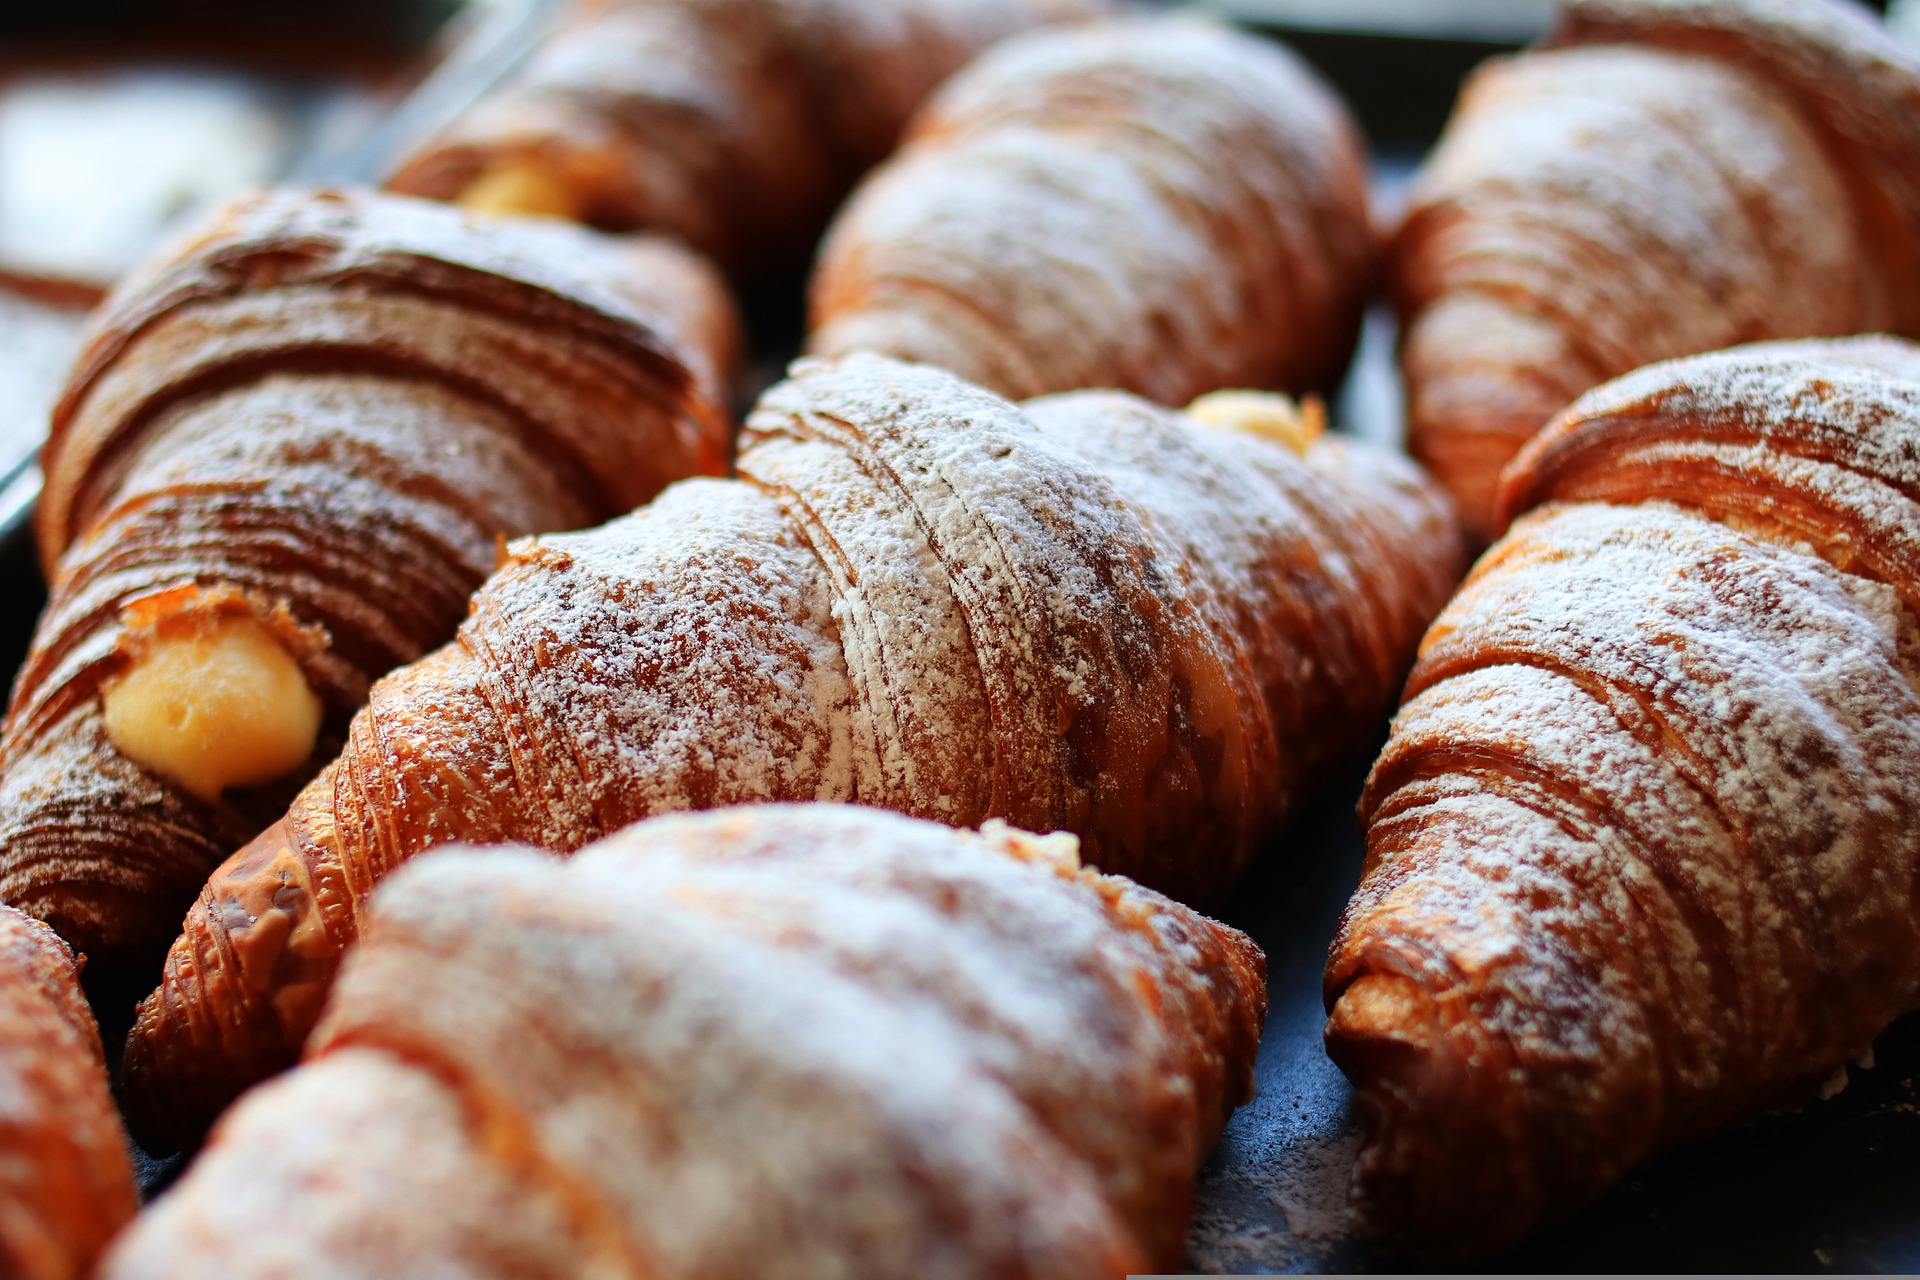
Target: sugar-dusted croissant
66, 1184
1162, 205
1089, 614
1666, 177
284, 461
735, 124
795, 1040
1644, 847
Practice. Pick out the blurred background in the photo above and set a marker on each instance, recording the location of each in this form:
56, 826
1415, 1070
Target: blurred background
122, 120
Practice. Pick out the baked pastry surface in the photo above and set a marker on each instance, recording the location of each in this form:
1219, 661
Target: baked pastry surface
1162, 205
1643, 846
1086, 613
66, 1183
293, 446
777, 1041
1661, 178
736, 125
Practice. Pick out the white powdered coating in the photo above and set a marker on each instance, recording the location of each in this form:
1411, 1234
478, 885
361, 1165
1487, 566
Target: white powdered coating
1282, 543
66, 1184
1684, 178
736, 124
1157, 205
1856, 398
915, 596
1813, 443
1647, 833
366, 1121
1841, 65
323, 409
919, 716
1779, 695
714, 681
793, 1040
1038, 569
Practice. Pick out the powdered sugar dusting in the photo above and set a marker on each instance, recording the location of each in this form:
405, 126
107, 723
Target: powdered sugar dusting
1663, 184
861, 1044
1159, 205
916, 596
327, 409
735, 124
1645, 832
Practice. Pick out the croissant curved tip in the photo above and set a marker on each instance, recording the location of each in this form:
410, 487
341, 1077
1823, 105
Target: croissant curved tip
1414, 1074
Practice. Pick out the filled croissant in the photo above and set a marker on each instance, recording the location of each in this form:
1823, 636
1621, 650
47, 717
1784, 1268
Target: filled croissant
66, 1183
735, 124
286, 458
1644, 847
1087, 613
1162, 205
807, 1040
1663, 177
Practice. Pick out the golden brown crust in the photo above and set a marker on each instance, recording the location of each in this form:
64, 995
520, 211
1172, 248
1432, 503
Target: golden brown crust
325, 410
66, 1183
1160, 205
1664, 177
1641, 848
1092, 615
1854, 82
735, 124
847, 1040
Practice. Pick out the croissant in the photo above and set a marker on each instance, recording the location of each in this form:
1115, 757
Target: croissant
1663, 178
1161, 205
285, 459
735, 124
1086, 614
66, 1184
1643, 850
806, 1040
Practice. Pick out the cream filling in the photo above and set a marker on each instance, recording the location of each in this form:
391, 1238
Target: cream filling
524, 185
220, 704
1295, 424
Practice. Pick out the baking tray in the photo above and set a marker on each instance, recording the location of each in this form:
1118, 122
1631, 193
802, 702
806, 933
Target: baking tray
1832, 1187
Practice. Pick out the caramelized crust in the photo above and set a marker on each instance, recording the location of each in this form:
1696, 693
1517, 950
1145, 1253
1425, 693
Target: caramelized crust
804, 1040
324, 412
1090, 615
1642, 851
1665, 177
1160, 205
735, 124
66, 1184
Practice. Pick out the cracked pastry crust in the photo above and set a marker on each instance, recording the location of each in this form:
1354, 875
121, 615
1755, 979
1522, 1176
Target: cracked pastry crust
794, 1040
1162, 205
1085, 613
1642, 847
1660, 178
318, 418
